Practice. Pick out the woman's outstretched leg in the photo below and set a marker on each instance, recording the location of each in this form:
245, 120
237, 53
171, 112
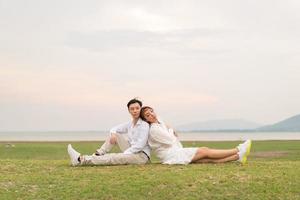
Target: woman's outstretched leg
242, 152
234, 157
204, 152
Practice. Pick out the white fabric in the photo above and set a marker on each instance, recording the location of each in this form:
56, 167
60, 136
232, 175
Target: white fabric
137, 136
167, 147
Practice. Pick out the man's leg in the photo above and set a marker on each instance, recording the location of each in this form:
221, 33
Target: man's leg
120, 139
114, 159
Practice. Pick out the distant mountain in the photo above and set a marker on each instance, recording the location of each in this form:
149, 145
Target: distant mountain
290, 124
216, 125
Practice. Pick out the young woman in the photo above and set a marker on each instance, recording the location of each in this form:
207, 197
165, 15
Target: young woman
169, 150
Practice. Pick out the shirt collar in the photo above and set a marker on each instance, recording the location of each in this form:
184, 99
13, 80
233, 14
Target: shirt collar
139, 122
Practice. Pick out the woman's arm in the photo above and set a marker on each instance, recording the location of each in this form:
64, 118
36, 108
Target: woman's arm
172, 130
161, 136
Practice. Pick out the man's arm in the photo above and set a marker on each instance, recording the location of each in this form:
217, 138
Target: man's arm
141, 141
121, 128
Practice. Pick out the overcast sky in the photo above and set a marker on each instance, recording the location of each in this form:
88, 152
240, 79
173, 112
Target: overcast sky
73, 65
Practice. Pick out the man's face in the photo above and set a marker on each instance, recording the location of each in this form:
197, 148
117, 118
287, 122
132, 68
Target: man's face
134, 109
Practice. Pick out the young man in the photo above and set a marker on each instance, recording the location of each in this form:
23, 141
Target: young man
131, 137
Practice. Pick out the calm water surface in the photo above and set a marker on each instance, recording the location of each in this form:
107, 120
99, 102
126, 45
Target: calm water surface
185, 136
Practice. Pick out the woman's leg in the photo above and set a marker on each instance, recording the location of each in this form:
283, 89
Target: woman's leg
204, 152
221, 160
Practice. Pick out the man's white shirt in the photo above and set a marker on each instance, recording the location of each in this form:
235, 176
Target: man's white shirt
137, 136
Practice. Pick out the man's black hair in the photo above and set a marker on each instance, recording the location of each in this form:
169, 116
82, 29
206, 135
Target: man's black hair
132, 101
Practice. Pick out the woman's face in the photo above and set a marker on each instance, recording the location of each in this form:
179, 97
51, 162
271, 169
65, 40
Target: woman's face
150, 116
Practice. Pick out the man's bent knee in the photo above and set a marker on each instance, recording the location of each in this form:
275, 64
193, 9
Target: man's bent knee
113, 138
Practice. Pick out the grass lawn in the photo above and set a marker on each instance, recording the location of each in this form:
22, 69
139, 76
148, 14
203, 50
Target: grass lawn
42, 171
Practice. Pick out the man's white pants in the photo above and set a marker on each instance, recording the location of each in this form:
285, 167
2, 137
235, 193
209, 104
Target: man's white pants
115, 158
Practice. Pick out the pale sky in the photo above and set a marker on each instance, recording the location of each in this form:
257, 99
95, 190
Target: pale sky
73, 65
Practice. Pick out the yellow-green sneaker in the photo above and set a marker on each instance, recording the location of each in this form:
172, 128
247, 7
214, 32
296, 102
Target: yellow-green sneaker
244, 151
249, 144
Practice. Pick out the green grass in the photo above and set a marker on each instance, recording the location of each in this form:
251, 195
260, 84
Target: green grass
42, 171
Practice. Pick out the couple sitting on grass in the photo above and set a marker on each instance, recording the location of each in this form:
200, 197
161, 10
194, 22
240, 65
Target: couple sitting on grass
145, 132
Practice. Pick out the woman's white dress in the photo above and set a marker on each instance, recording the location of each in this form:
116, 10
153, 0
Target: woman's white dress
167, 147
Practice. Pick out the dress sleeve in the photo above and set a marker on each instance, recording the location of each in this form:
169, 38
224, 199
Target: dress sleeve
161, 136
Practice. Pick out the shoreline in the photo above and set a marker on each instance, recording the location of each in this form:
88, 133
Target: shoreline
95, 141
191, 136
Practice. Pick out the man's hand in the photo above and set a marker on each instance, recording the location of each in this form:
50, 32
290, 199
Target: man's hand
113, 139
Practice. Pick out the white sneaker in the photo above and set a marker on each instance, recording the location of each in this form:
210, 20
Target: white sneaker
74, 155
244, 151
241, 146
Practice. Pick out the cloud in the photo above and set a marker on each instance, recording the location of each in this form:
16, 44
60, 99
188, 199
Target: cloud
189, 40
223, 57
90, 90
